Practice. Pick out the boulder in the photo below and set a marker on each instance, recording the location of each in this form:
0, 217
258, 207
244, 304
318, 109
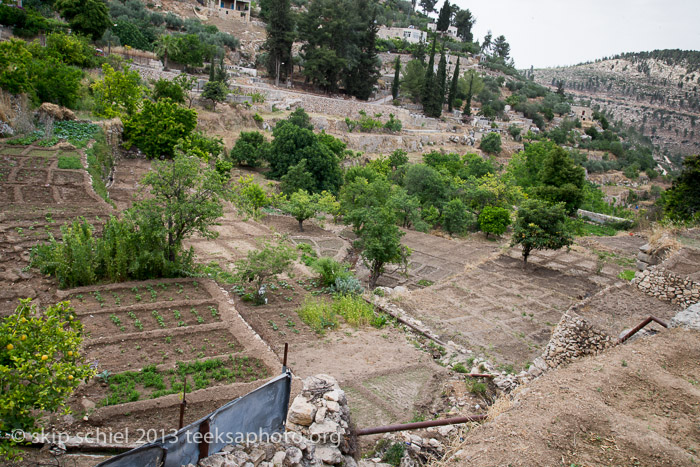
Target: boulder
302, 412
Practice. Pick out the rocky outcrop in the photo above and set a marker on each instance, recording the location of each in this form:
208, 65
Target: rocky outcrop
688, 318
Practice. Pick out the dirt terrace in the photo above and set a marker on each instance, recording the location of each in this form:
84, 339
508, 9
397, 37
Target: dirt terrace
637, 404
36, 198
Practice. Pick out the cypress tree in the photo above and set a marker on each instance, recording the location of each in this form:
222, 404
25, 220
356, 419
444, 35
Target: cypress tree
443, 21
441, 81
280, 37
395, 84
429, 83
453, 87
468, 106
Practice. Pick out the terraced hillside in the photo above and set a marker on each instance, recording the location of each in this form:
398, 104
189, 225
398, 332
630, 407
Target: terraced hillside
660, 97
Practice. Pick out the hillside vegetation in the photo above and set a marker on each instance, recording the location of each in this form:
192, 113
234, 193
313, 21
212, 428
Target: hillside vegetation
657, 92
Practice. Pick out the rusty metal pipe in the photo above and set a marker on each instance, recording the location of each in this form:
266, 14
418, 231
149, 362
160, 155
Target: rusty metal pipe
418, 425
480, 375
640, 326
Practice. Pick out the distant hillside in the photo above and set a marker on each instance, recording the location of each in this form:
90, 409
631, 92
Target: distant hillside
656, 92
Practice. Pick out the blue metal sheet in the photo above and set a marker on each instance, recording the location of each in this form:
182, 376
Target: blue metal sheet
259, 413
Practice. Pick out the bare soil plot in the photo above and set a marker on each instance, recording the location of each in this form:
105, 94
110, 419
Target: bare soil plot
36, 198
435, 258
498, 309
636, 404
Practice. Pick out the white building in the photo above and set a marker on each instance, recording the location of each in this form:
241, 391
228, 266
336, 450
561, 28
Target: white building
411, 35
451, 30
238, 9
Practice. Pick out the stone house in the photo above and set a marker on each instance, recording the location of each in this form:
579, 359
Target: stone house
233, 9
410, 34
451, 30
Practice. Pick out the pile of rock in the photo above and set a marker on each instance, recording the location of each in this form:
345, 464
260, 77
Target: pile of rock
573, 338
419, 448
648, 257
666, 285
318, 433
320, 413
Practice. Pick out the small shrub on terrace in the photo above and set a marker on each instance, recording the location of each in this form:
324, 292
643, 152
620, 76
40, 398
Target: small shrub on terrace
329, 270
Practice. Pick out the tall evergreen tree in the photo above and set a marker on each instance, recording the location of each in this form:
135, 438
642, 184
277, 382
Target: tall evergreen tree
501, 48
488, 43
429, 81
453, 87
363, 72
395, 84
280, 37
441, 81
445, 16
464, 22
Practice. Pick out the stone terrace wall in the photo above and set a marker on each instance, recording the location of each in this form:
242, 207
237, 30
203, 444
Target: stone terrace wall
666, 285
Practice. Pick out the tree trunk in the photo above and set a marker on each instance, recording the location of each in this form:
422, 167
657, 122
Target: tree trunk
526, 253
301, 226
374, 274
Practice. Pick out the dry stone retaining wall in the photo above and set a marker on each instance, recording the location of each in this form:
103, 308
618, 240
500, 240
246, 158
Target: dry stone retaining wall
666, 285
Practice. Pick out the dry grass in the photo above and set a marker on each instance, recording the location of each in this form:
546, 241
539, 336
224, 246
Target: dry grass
663, 240
130, 53
501, 405
6, 112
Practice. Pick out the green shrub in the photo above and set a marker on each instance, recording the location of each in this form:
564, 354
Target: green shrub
494, 220
456, 219
347, 285
158, 128
394, 454
123, 252
476, 387
329, 270
459, 368
69, 162
491, 143
393, 124
318, 315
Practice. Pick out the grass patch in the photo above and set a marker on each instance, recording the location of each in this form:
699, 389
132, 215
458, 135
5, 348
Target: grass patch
318, 315
69, 162
131, 386
425, 283
476, 387
627, 274
354, 310
582, 228
460, 368
100, 163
